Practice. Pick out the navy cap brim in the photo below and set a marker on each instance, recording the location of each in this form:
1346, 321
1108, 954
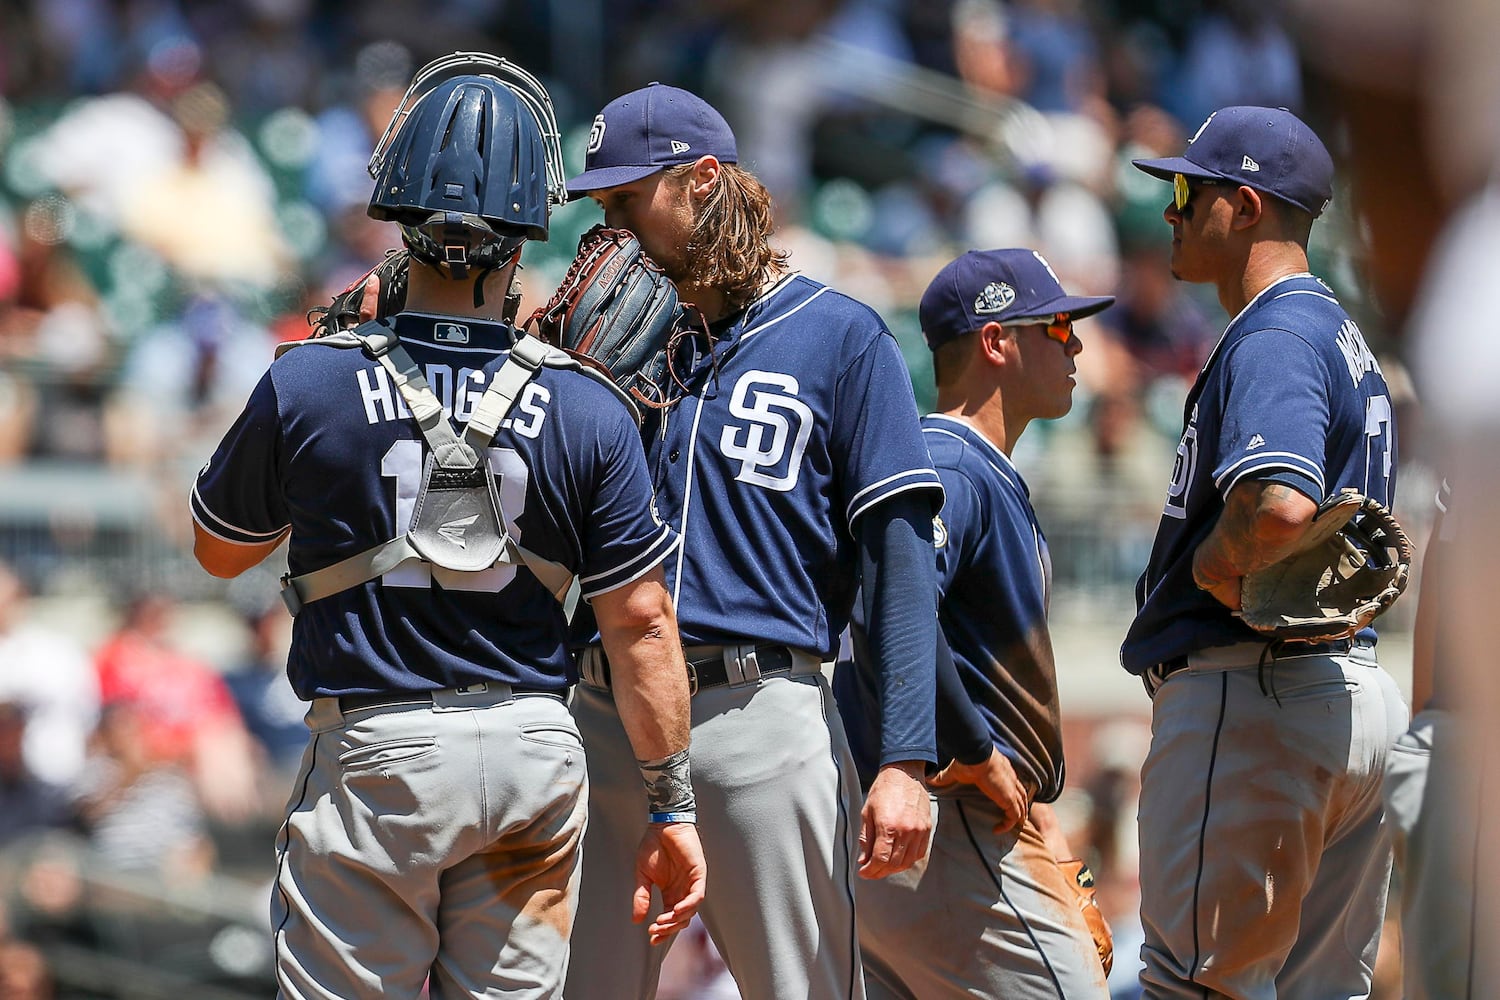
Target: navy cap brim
1172, 165
608, 177
1076, 306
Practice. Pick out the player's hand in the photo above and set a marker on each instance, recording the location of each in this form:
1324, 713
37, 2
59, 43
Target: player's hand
1225, 590
1228, 593
896, 821
671, 859
370, 304
997, 779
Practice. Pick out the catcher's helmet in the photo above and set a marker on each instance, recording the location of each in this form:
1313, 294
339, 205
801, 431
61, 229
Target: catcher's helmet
468, 154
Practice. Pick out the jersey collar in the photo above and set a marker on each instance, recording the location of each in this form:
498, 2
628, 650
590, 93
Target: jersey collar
1264, 292
969, 430
423, 327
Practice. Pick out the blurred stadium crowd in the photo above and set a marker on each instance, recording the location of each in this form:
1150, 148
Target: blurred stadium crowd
180, 180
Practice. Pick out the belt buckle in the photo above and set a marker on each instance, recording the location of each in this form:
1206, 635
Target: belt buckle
692, 672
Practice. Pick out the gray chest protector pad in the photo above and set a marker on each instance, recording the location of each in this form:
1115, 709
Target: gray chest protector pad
458, 522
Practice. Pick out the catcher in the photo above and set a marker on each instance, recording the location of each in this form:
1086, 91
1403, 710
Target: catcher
434, 835
1264, 860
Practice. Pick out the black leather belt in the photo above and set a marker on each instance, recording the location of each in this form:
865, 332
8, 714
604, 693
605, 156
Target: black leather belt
1334, 647
381, 699
713, 671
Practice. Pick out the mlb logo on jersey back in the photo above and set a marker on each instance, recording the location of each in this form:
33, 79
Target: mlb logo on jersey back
450, 333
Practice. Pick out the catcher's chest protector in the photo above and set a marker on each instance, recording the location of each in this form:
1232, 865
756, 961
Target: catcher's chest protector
457, 522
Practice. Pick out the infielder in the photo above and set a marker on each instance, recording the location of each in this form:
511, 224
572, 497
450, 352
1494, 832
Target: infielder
1264, 860
795, 463
435, 823
1433, 793
986, 914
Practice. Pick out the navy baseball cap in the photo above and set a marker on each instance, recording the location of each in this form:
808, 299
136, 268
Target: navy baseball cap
1000, 286
1269, 149
650, 129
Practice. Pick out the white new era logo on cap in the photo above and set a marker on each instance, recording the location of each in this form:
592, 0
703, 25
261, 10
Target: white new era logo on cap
1249, 164
678, 146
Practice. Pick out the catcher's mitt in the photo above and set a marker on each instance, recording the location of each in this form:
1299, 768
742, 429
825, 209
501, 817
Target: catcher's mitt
1352, 566
616, 307
343, 312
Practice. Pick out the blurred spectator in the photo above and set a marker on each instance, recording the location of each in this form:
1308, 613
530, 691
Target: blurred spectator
184, 380
1236, 54
209, 210
49, 676
271, 709
336, 179
178, 708
1058, 57
23, 973
1157, 320
140, 810
27, 804
56, 342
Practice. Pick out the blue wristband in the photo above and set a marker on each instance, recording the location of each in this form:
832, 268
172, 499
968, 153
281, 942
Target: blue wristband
674, 817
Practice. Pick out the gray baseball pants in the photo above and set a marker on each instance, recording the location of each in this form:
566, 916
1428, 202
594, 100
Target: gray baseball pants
432, 840
1433, 788
1264, 855
983, 915
778, 813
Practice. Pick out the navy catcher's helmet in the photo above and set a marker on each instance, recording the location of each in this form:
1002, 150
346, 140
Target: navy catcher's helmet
465, 166
468, 146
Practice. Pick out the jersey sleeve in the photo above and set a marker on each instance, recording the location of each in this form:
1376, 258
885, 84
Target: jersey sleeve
237, 496
876, 434
1276, 415
955, 529
623, 537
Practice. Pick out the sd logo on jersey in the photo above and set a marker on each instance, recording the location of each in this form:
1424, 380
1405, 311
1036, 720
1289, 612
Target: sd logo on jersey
769, 448
1182, 470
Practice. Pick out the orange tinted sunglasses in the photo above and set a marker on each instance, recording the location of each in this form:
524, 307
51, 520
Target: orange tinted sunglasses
1059, 327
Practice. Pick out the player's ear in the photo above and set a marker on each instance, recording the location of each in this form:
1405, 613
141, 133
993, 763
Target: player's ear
704, 177
1248, 207
991, 342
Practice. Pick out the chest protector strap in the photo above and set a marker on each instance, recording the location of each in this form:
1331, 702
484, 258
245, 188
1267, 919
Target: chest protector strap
457, 523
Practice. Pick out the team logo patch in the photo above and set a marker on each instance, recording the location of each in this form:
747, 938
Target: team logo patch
1250, 165
679, 147
939, 532
450, 333
770, 443
997, 295
1256, 441
596, 134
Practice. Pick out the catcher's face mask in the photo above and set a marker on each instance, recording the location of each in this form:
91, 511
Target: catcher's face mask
527, 88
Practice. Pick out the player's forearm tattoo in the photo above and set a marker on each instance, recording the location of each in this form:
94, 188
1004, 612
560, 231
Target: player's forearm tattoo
1239, 542
669, 788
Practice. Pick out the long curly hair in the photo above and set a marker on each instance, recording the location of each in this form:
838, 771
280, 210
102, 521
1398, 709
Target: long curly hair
730, 247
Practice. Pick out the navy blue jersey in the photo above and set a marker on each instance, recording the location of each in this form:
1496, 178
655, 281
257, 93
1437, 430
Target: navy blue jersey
327, 446
995, 581
802, 419
1291, 394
